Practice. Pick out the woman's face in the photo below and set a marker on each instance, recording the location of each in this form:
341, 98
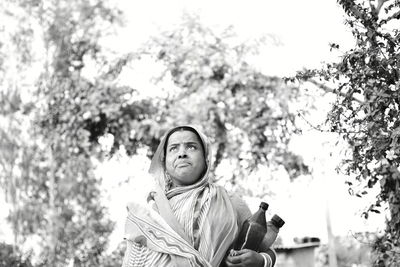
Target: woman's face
184, 159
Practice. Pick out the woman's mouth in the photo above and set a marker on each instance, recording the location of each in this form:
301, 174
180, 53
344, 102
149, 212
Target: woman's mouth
182, 164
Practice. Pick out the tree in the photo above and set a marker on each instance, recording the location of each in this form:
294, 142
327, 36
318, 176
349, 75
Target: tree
57, 194
15, 59
366, 112
246, 113
12, 258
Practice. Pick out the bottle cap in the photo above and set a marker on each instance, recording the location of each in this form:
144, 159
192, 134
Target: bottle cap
277, 221
264, 205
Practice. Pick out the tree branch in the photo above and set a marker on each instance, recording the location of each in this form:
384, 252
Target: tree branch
352, 9
394, 16
379, 6
330, 90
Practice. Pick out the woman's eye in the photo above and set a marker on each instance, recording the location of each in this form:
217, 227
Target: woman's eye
171, 149
192, 147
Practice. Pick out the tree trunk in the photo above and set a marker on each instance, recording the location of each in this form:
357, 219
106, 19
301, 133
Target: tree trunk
53, 212
331, 239
394, 207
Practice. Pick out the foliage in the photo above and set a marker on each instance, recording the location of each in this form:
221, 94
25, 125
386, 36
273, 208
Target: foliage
246, 113
116, 257
10, 257
15, 60
56, 196
350, 251
366, 112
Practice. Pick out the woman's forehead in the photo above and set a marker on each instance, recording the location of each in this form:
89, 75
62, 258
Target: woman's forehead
183, 136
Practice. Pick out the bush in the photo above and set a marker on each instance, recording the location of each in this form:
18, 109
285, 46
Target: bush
350, 251
116, 257
12, 257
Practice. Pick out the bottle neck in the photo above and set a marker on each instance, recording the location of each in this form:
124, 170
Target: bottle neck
259, 217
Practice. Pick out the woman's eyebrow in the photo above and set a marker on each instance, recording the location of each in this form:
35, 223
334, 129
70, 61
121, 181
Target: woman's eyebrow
192, 143
173, 144
185, 143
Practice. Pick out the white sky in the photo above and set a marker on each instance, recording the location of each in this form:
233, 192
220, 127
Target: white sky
304, 28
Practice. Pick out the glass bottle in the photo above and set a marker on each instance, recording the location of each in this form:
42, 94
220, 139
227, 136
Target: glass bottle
273, 229
253, 230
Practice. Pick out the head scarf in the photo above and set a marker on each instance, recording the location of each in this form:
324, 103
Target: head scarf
157, 166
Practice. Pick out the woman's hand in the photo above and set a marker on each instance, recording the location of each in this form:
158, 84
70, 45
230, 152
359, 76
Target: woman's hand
244, 258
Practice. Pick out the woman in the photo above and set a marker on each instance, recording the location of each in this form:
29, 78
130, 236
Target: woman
192, 222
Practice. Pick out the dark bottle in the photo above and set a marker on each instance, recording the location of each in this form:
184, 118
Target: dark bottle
253, 230
273, 229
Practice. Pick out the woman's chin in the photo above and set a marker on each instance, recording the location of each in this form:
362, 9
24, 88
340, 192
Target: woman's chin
182, 182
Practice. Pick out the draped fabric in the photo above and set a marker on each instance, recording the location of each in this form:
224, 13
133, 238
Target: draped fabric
189, 226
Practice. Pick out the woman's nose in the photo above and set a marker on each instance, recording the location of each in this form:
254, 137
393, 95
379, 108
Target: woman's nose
182, 153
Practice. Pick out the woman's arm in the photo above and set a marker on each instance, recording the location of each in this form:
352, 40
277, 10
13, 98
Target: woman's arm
242, 210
